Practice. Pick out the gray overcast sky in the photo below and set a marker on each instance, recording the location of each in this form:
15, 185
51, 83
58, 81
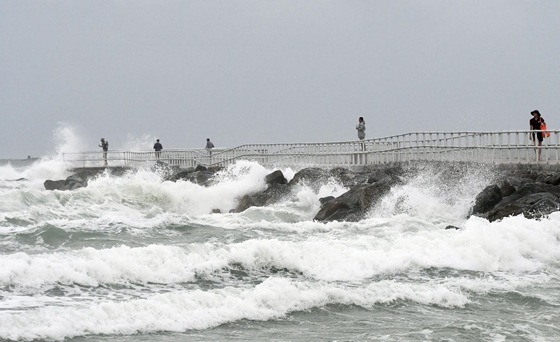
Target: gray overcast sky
271, 71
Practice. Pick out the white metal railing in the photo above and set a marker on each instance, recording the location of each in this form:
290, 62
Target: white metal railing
506, 147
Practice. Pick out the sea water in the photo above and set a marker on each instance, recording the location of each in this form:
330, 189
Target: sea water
136, 258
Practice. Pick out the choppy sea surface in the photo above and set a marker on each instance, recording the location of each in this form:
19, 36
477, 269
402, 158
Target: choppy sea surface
135, 258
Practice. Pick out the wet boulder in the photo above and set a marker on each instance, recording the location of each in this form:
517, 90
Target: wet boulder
354, 204
532, 200
334, 210
245, 203
181, 175
347, 177
203, 177
506, 187
487, 199
72, 182
325, 200
313, 177
276, 177
54, 185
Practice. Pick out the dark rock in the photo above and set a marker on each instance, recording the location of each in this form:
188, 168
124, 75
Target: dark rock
245, 203
54, 185
547, 177
200, 168
198, 177
542, 205
215, 168
76, 178
276, 190
203, 177
273, 194
72, 182
181, 175
325, 200
532, 200
487, 199
73, 186
518, 182
216, 211
312, 176
451, 227
353, 204
506, 188
346, 177
334, 210
376, 176
276, 177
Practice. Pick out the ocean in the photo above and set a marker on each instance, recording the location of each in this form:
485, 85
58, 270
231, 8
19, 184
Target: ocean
135, 258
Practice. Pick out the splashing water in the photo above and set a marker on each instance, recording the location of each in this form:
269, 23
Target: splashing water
434, 193
136, 257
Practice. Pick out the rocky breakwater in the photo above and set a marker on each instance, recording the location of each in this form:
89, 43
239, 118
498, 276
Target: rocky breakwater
366, 188
533, 194
80, 179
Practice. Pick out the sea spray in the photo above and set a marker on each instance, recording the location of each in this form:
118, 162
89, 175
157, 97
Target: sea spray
138, 143
52, 166
137, 254
441, 192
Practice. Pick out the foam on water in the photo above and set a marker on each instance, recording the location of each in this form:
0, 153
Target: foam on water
186, 310
435, 193
515, 244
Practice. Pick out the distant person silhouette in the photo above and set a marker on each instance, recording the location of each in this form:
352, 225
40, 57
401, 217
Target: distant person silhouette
209, 146
158, 148
361, 128
105, 146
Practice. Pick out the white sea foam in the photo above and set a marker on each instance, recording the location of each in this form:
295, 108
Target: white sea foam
185, 310
436, 194
515, 244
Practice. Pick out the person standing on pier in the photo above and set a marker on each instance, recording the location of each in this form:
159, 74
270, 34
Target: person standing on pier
209, 146
158, 148
105, 146
535, 124
361, 128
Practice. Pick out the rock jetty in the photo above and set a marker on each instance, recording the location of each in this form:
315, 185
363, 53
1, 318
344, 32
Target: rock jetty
528, 192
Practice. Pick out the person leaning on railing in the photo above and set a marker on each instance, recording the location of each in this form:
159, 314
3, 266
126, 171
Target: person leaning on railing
535, 124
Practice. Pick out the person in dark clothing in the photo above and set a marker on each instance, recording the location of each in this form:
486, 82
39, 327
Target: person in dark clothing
209, 146
158, 148
105, 146
535, 124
